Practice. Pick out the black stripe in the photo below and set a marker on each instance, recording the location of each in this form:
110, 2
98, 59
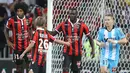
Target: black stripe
73, 41
37, 46
79, 43
33, 50
16, 30
23, 37
66, 31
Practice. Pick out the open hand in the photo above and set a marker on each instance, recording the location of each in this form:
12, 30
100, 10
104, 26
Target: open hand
68, 43
92, 53
10, 44
22, 55
102, 44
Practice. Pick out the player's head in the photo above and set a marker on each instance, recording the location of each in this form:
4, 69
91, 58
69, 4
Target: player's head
73, 14
35, 10
109, 20
21, 9
41, 21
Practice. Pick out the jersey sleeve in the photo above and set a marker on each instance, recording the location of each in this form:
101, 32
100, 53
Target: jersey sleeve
121, 34
85, 29
35, 37
51, 38
99, 35
9, 23
59, 27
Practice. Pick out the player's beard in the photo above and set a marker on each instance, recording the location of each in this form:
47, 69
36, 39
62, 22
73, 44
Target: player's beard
73, 19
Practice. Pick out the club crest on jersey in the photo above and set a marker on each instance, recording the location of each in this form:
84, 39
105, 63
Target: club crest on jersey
27, 22
77, 25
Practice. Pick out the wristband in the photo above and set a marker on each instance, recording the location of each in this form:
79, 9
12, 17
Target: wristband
116, 41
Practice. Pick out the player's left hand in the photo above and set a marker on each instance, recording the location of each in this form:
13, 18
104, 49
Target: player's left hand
92, 53
22, 55
112, 41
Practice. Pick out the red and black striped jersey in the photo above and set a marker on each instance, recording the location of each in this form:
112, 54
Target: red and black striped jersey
41, 39
74, 33
20, 29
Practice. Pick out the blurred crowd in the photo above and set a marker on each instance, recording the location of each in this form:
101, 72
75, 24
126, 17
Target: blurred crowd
35, 8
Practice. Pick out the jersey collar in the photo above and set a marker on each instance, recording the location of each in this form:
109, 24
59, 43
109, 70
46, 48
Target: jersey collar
20, 18
40, 28
74, 23
111, 29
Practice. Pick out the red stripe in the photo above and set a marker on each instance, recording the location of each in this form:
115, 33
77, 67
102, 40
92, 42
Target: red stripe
70, 34
76, 40
26, 41
63, 28
81, 35
36, 48
19, 32
14, 38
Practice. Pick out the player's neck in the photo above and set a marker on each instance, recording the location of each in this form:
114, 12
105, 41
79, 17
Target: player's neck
74, 21
110, 28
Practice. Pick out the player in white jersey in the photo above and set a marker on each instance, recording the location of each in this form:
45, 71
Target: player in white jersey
109, 39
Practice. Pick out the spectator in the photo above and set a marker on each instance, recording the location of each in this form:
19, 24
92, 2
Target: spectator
2, 37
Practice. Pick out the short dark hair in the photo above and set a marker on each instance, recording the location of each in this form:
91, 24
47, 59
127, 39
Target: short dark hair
40, 21
21, 5
3, 11
74, 9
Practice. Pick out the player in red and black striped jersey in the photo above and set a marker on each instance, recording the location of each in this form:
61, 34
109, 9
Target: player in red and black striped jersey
73, 30
20, 26
40, 43
34, 11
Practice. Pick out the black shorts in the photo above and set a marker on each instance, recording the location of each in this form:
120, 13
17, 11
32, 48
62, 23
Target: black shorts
17, 60
75, 62
36, 68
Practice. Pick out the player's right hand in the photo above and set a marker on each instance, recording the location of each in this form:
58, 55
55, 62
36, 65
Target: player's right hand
102, 44
22, 55
68, 43
127, 35
10, 44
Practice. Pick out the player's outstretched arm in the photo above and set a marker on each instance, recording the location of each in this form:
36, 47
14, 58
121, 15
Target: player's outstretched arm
121, 41
92, 45
27, 49
51, 32
100, 44
127, 36
62, 42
